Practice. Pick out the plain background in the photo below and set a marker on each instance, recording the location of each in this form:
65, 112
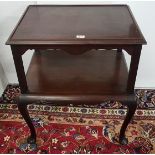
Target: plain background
144, 12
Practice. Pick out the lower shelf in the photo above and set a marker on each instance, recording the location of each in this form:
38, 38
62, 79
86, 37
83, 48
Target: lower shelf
96, 72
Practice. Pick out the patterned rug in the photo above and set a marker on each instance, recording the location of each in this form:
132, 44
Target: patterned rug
88, 129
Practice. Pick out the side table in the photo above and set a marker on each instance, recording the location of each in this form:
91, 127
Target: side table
78, 57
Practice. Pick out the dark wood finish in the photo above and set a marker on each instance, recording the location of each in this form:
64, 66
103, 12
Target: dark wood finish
81, 73
131, 108
74, 99
24, 100
100, 24
133, 69
22, 106
128, 100
19, 69
95, 72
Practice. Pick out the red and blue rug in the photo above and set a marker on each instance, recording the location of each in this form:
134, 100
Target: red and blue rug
76, 130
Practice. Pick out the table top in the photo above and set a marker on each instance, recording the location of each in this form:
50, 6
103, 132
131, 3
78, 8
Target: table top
76, 24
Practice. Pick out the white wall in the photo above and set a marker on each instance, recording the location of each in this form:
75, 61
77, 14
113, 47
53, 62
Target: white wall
144, 13
1, 88
10, 13
3, 79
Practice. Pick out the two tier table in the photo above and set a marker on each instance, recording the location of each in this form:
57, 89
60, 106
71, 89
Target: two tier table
78, 57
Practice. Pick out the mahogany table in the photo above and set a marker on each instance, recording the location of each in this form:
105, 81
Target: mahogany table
78, 57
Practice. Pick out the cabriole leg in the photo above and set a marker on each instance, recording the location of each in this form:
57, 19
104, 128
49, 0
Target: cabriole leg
131, 108
22, 106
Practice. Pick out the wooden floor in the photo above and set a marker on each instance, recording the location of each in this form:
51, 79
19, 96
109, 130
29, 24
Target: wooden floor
95, 72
